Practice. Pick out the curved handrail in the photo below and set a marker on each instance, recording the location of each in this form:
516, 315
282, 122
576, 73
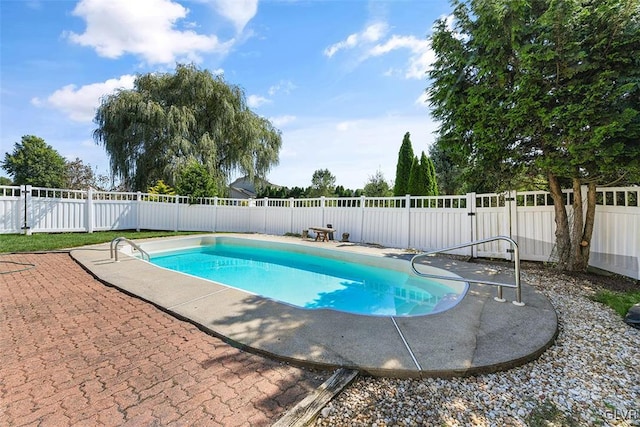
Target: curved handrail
516, 260
113, 248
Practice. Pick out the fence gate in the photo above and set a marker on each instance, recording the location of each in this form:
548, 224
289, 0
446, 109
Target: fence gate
494, 215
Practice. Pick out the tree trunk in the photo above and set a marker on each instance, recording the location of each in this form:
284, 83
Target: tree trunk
563, 238
573, 243
582, 237
577, 226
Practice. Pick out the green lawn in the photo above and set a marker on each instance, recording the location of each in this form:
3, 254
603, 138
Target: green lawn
621, 302
52, 241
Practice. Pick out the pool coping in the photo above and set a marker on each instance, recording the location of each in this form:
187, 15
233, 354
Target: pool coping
493, 336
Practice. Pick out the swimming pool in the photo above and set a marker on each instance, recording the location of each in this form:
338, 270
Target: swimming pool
308, 276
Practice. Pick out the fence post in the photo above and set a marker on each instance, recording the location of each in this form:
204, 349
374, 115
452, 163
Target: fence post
407, 219
510, 220
27, 202
89, 217
471, 212
266, 206
291, 213
322, 199
215, 213
138, 209
177, 224
363, 202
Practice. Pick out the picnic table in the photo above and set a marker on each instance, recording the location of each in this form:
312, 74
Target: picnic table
322, 233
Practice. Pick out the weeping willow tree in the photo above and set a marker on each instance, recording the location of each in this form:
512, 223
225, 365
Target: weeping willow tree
168, 121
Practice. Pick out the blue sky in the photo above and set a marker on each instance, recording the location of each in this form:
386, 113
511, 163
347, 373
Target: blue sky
342, 79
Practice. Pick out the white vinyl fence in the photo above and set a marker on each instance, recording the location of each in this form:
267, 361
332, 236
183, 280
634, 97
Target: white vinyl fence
424, 223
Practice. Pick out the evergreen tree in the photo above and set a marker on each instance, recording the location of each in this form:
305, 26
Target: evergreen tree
449, 175
377, 186
161, 188
422, 179
543, 88
196, 182
416, 178
430, 172
403, 167
297, 192
343, 192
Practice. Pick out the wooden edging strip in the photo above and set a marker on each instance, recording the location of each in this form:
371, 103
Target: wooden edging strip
305, 411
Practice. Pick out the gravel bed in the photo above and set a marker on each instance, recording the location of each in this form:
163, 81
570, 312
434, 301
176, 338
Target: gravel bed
590, 376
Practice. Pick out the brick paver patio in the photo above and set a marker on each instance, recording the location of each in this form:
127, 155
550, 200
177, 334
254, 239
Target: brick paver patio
77, 352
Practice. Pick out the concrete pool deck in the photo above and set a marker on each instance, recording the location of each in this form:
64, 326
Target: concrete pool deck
478, 335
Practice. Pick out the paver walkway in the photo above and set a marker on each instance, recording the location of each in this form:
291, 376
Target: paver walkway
76, 352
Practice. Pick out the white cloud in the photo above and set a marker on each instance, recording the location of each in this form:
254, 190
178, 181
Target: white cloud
423, 100
80, 103
346, 126
421, 56
370, 34
284, 86
419, 64
143, 27
350, 41
391, 72
240, 12
449, 19
371, 42
395, 42
255, 101
374, 32
282, 120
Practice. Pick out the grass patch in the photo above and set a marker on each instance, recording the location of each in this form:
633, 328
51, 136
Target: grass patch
52, 241
547, 414
619, 301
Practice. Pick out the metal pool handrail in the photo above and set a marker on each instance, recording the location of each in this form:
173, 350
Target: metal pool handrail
113, 248
498, 298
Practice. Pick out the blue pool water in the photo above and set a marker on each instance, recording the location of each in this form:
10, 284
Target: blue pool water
311, 281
